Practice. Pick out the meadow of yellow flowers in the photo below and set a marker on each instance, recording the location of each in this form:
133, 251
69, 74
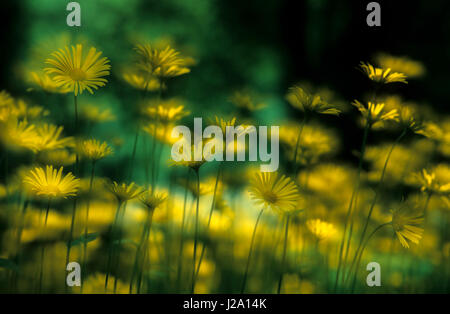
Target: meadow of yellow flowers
219, 227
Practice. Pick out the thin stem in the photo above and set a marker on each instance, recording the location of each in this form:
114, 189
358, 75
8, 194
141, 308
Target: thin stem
297, 144
369, 215
350, 206
146, 244
250, 251
210, 216
284, 254
133, 154
111, 245
362, 252
86, 223
41, 271
183, 219
196, 230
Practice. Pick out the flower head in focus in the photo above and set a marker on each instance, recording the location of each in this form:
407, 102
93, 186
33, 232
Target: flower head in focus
51, 182
71, 71
274, 191
406, 226
375, 113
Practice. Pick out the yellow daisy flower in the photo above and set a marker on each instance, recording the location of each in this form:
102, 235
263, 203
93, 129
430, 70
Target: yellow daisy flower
301, 100
124, 192
164, 63
275, 191
406, 227
152, 200
379, 75
51, 183
94, 150
49, 138
70, 71
375, 113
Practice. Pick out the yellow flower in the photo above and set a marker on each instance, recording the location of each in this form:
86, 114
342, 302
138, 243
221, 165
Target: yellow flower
94, 150
405, 226
152, 200
436, 181
141, 81
124, 192
242, 99
5, 99
51, 183
164, 111
375, 113
379, 75
164, 63
96, 115
72, 72
301, 100
17, 135
59, 157
320, 229
49, 138
222, 123
47, 84
22, 110
401, 64
274, 191
188, 159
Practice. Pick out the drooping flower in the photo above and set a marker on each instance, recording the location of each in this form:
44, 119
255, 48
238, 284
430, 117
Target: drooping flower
124, 192
406, 226
51, 183
383, 76
307, 103
320, 229
164, 63
71, 71
274, 191
94, 149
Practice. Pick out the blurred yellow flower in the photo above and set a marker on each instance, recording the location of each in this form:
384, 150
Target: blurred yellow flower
243, 100
96, 115
51, 183
379, 75
436, 181
72, 72
164, 63
57, 157
405, 65
19, 135
124, 192
49, 138
47, 84
320, 229
141, 81
152, 199
301, 100
94, 150
274, 191
164, 112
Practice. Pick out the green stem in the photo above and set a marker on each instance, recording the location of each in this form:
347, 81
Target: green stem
372, 206
196, 231
362, 252
350, 206
283, 260
183, 219
41, 271
210, 216
244, 282
86, 223
297, 144
146, 244
111, 245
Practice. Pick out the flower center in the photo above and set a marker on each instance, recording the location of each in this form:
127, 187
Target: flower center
270, 197
77, 75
